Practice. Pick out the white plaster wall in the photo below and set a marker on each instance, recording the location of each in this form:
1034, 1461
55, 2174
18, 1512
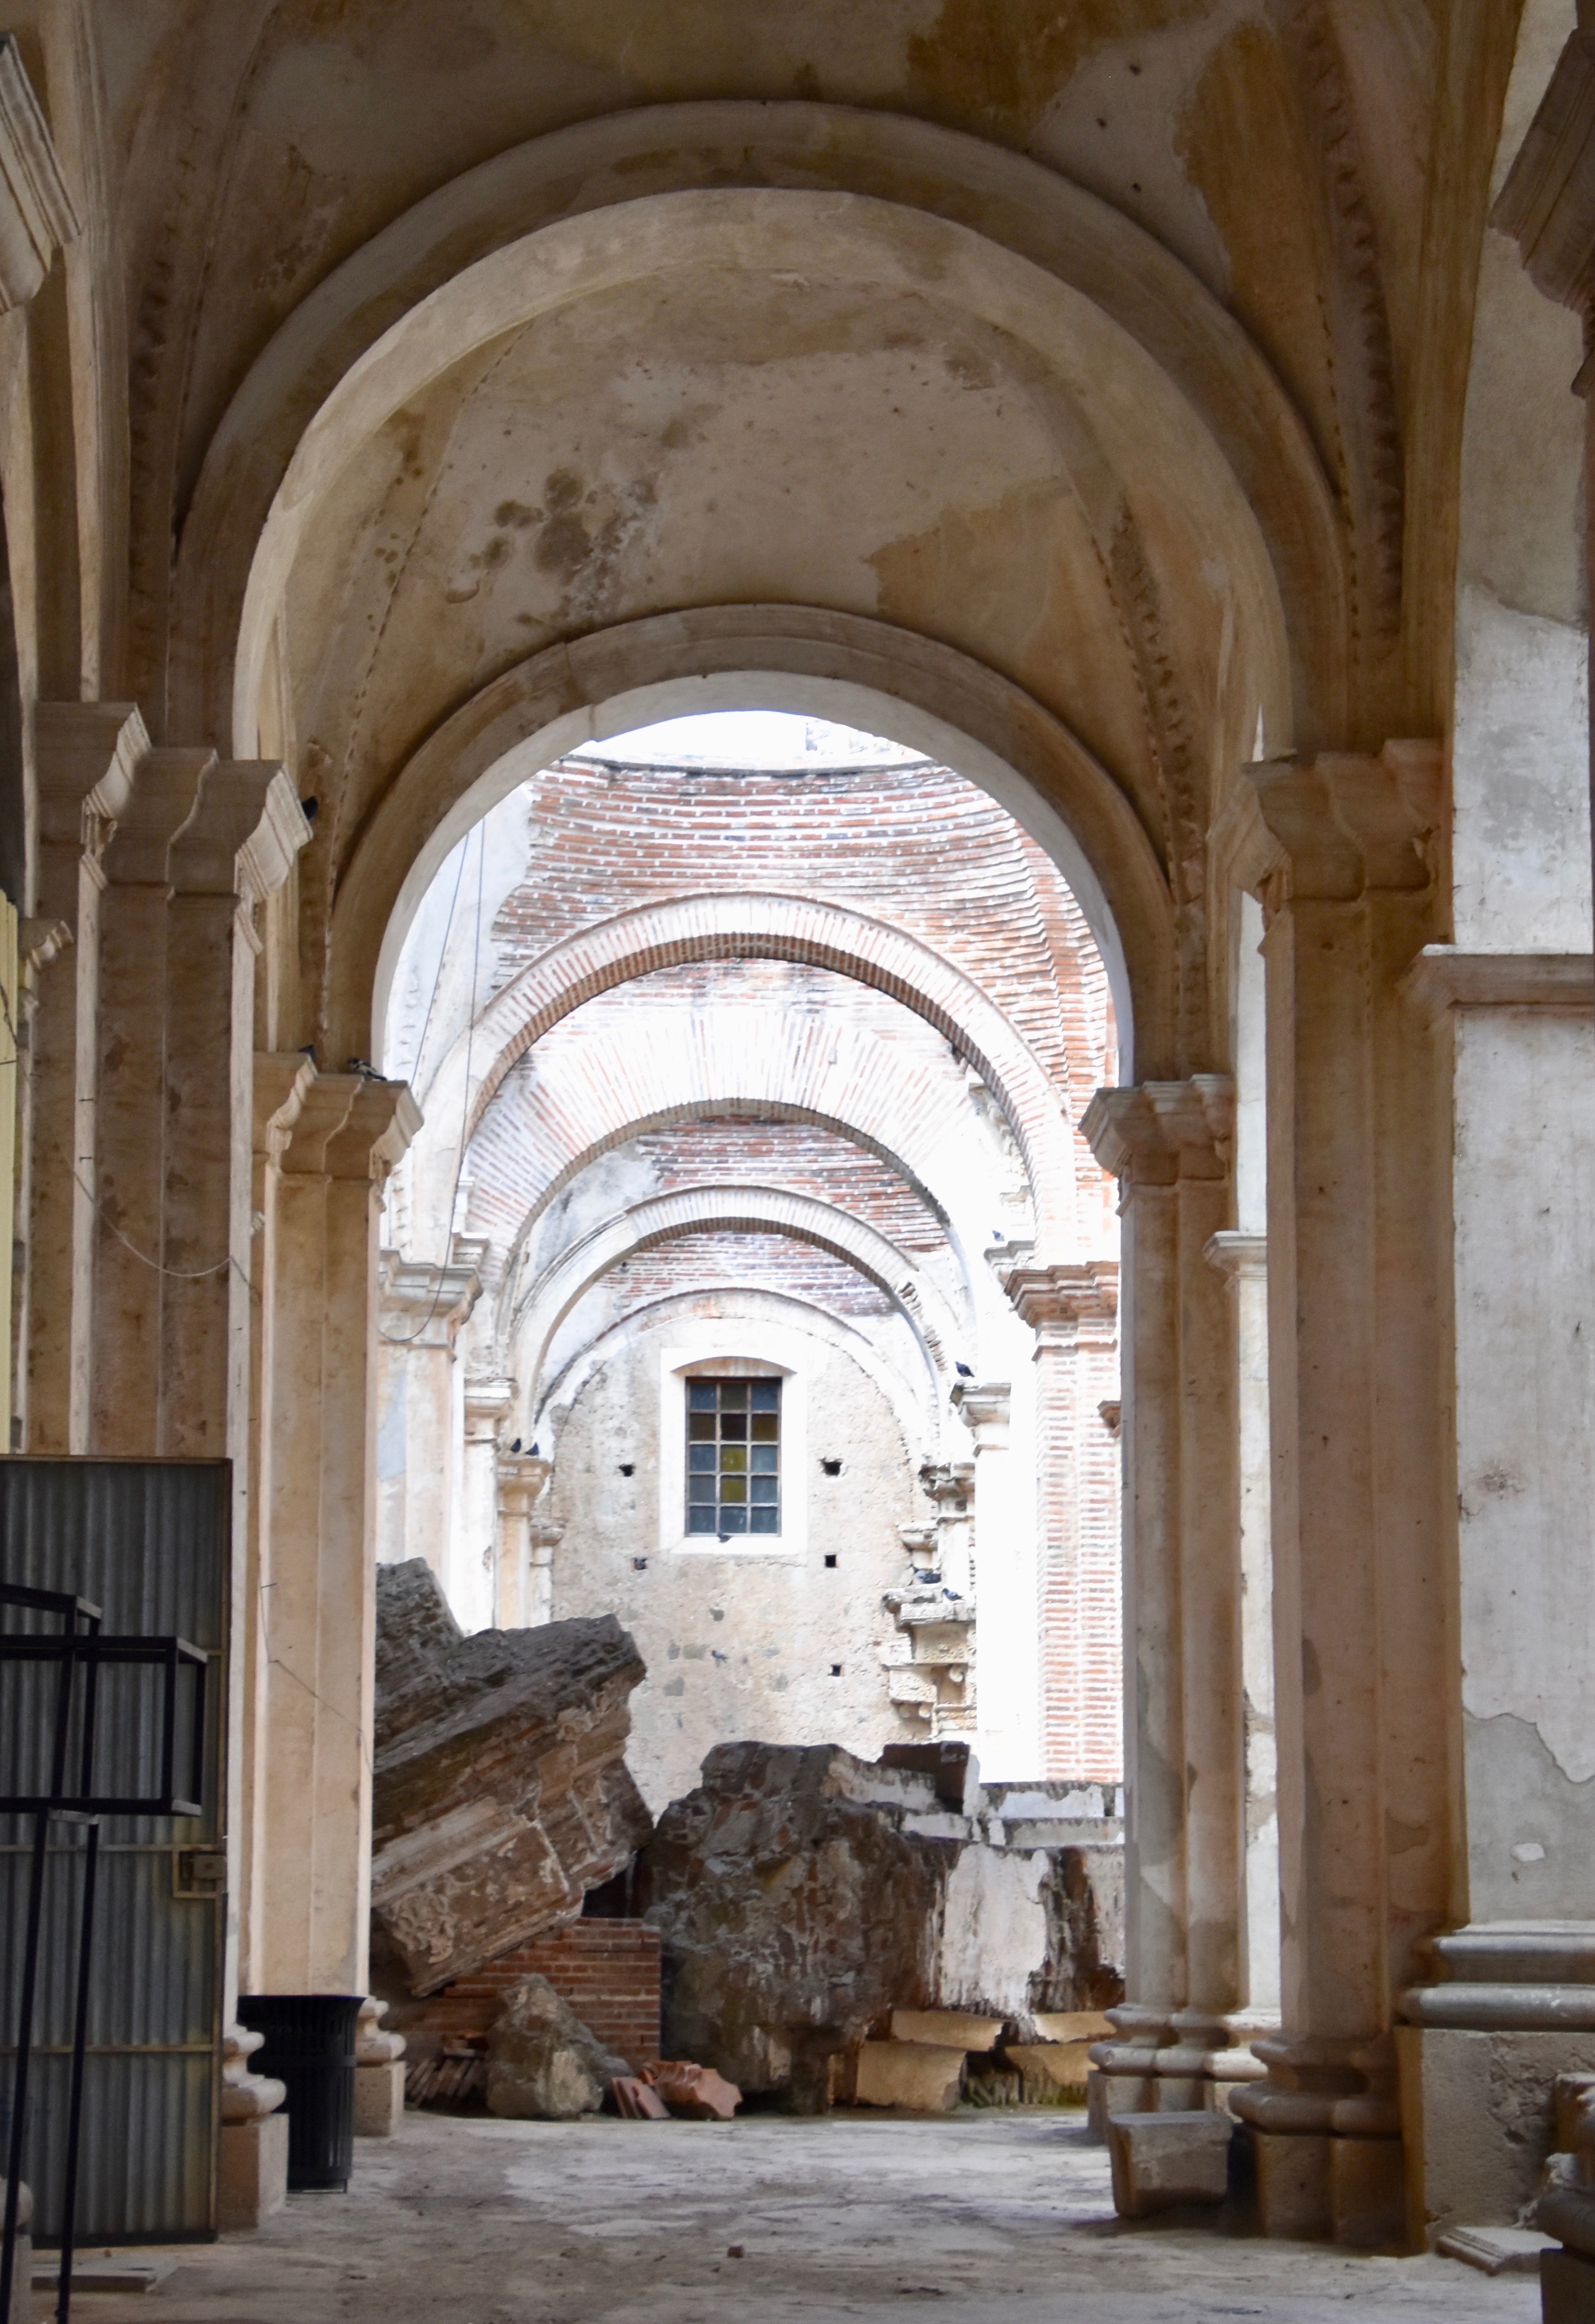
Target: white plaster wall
1525, 1180
739, 1643
993, 1931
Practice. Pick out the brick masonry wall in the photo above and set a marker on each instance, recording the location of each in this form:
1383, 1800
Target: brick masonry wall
607, 1970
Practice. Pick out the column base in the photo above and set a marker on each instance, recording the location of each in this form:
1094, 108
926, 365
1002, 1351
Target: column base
1567, 2288
1477, 2117
1163, 2162
379, 2099
1178, 2062
252, 2179
1325, 2189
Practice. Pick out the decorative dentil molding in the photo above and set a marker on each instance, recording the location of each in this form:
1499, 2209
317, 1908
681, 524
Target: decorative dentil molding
37, 215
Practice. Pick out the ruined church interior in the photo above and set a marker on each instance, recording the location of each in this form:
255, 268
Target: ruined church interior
797, 1160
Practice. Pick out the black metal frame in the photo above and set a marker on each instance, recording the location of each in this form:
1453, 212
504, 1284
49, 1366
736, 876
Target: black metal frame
79, 1645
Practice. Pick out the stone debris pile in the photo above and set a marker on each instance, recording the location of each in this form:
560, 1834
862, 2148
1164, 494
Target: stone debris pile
811, 1902
500, 1789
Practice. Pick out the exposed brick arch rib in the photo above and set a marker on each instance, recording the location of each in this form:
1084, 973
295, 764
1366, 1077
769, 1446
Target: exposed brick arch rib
732, 1210
771, 927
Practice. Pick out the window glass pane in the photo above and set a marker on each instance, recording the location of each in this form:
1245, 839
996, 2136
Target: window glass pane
733, 1489
763, 1458
733, 1459
734, 1395
733, 1520
734, 1425
763, 1489
764, 1521
767, 1395
722, 1416
701, 1456
699, 1520
700, 1424
767, 1428
700, 1396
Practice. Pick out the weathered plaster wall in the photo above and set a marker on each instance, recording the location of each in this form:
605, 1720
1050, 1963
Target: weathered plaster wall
738, 1646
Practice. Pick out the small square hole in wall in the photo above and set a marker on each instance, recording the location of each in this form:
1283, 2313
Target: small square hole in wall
639, 1565
832, 1468
836, 1670
627, 1468
830, 1557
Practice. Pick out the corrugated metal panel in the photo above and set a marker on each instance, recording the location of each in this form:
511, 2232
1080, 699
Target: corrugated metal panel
147, 1542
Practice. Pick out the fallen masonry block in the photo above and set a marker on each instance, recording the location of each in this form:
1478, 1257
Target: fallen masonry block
1073, 2025
1161, 2161
500, 1789
543, 2064
1050, 2070
920, 2075
696, 2092
637, 2100
945, 2029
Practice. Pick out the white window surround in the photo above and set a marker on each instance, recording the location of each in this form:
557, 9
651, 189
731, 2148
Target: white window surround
730, 1350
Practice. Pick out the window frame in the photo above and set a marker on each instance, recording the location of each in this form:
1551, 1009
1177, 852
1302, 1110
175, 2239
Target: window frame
736, 1420
722, 1358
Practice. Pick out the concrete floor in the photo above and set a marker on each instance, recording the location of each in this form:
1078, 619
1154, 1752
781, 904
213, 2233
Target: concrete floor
476, 2221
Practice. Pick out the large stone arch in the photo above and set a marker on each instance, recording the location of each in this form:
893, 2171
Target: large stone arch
731, 1210
1023, 210
867, 673
913, 1403
715, 927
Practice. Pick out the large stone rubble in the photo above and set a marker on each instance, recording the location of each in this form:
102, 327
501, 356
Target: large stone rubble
803, 1895
500, 1793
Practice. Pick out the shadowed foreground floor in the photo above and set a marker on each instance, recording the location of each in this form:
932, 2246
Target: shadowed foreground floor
475, 2220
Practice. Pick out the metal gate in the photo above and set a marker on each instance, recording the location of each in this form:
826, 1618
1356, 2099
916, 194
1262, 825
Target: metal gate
147, 1540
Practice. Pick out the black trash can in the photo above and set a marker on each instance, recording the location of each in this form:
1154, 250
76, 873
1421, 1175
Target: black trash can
309, 2044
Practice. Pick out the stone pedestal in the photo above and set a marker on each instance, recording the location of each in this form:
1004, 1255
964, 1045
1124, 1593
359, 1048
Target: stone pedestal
1359, 1518
1178, 2047
1163, 2162
379, 2075
252, 2169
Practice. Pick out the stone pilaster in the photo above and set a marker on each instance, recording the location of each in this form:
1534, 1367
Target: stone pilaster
1170, 1144
85, 755
321, 1619
424, 1305
1074, 1314
526, 1546
473, 1578
1365, 1669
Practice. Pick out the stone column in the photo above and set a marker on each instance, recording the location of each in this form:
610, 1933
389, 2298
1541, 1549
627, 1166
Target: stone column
1241, 1260
85, 755
321, 1635
1365, 1667
472, 1573
524, 1593
983, 1407
1072, 1312
1170, 1145
423, 1307
1507, 2002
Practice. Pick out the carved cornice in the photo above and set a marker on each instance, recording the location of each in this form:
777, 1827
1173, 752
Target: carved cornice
425, 1302
521, 1477
1342, 824
351, 1128
1061, 1299
37, 217
487, 1400
164, 792
1443, 977
245, 831
1156, 1133
1238, 1258
1547, 204
85, 755
984, 1408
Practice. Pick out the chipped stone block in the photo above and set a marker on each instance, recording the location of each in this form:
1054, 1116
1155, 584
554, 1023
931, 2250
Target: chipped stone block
921, 2075
1073, 2025
252, 2173
543, 2064
697, 2093
1478, 2120
500, 1790
1161, 2161
1050, 2069
945, 2029
1497, 2251
1292, 2184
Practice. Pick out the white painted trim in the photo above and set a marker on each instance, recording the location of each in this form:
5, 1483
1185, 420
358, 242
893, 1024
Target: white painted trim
728, 1340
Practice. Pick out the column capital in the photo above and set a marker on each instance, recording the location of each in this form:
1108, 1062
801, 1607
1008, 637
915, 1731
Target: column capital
984, 1408
282, 1078
85, 755
1334, 827
487, 1400
521, 1477
1238, 1258
243, 834
351, 1127
1061, 1299
425, 1303
949, 1482
1156, 1133
37, 215
1547, 204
